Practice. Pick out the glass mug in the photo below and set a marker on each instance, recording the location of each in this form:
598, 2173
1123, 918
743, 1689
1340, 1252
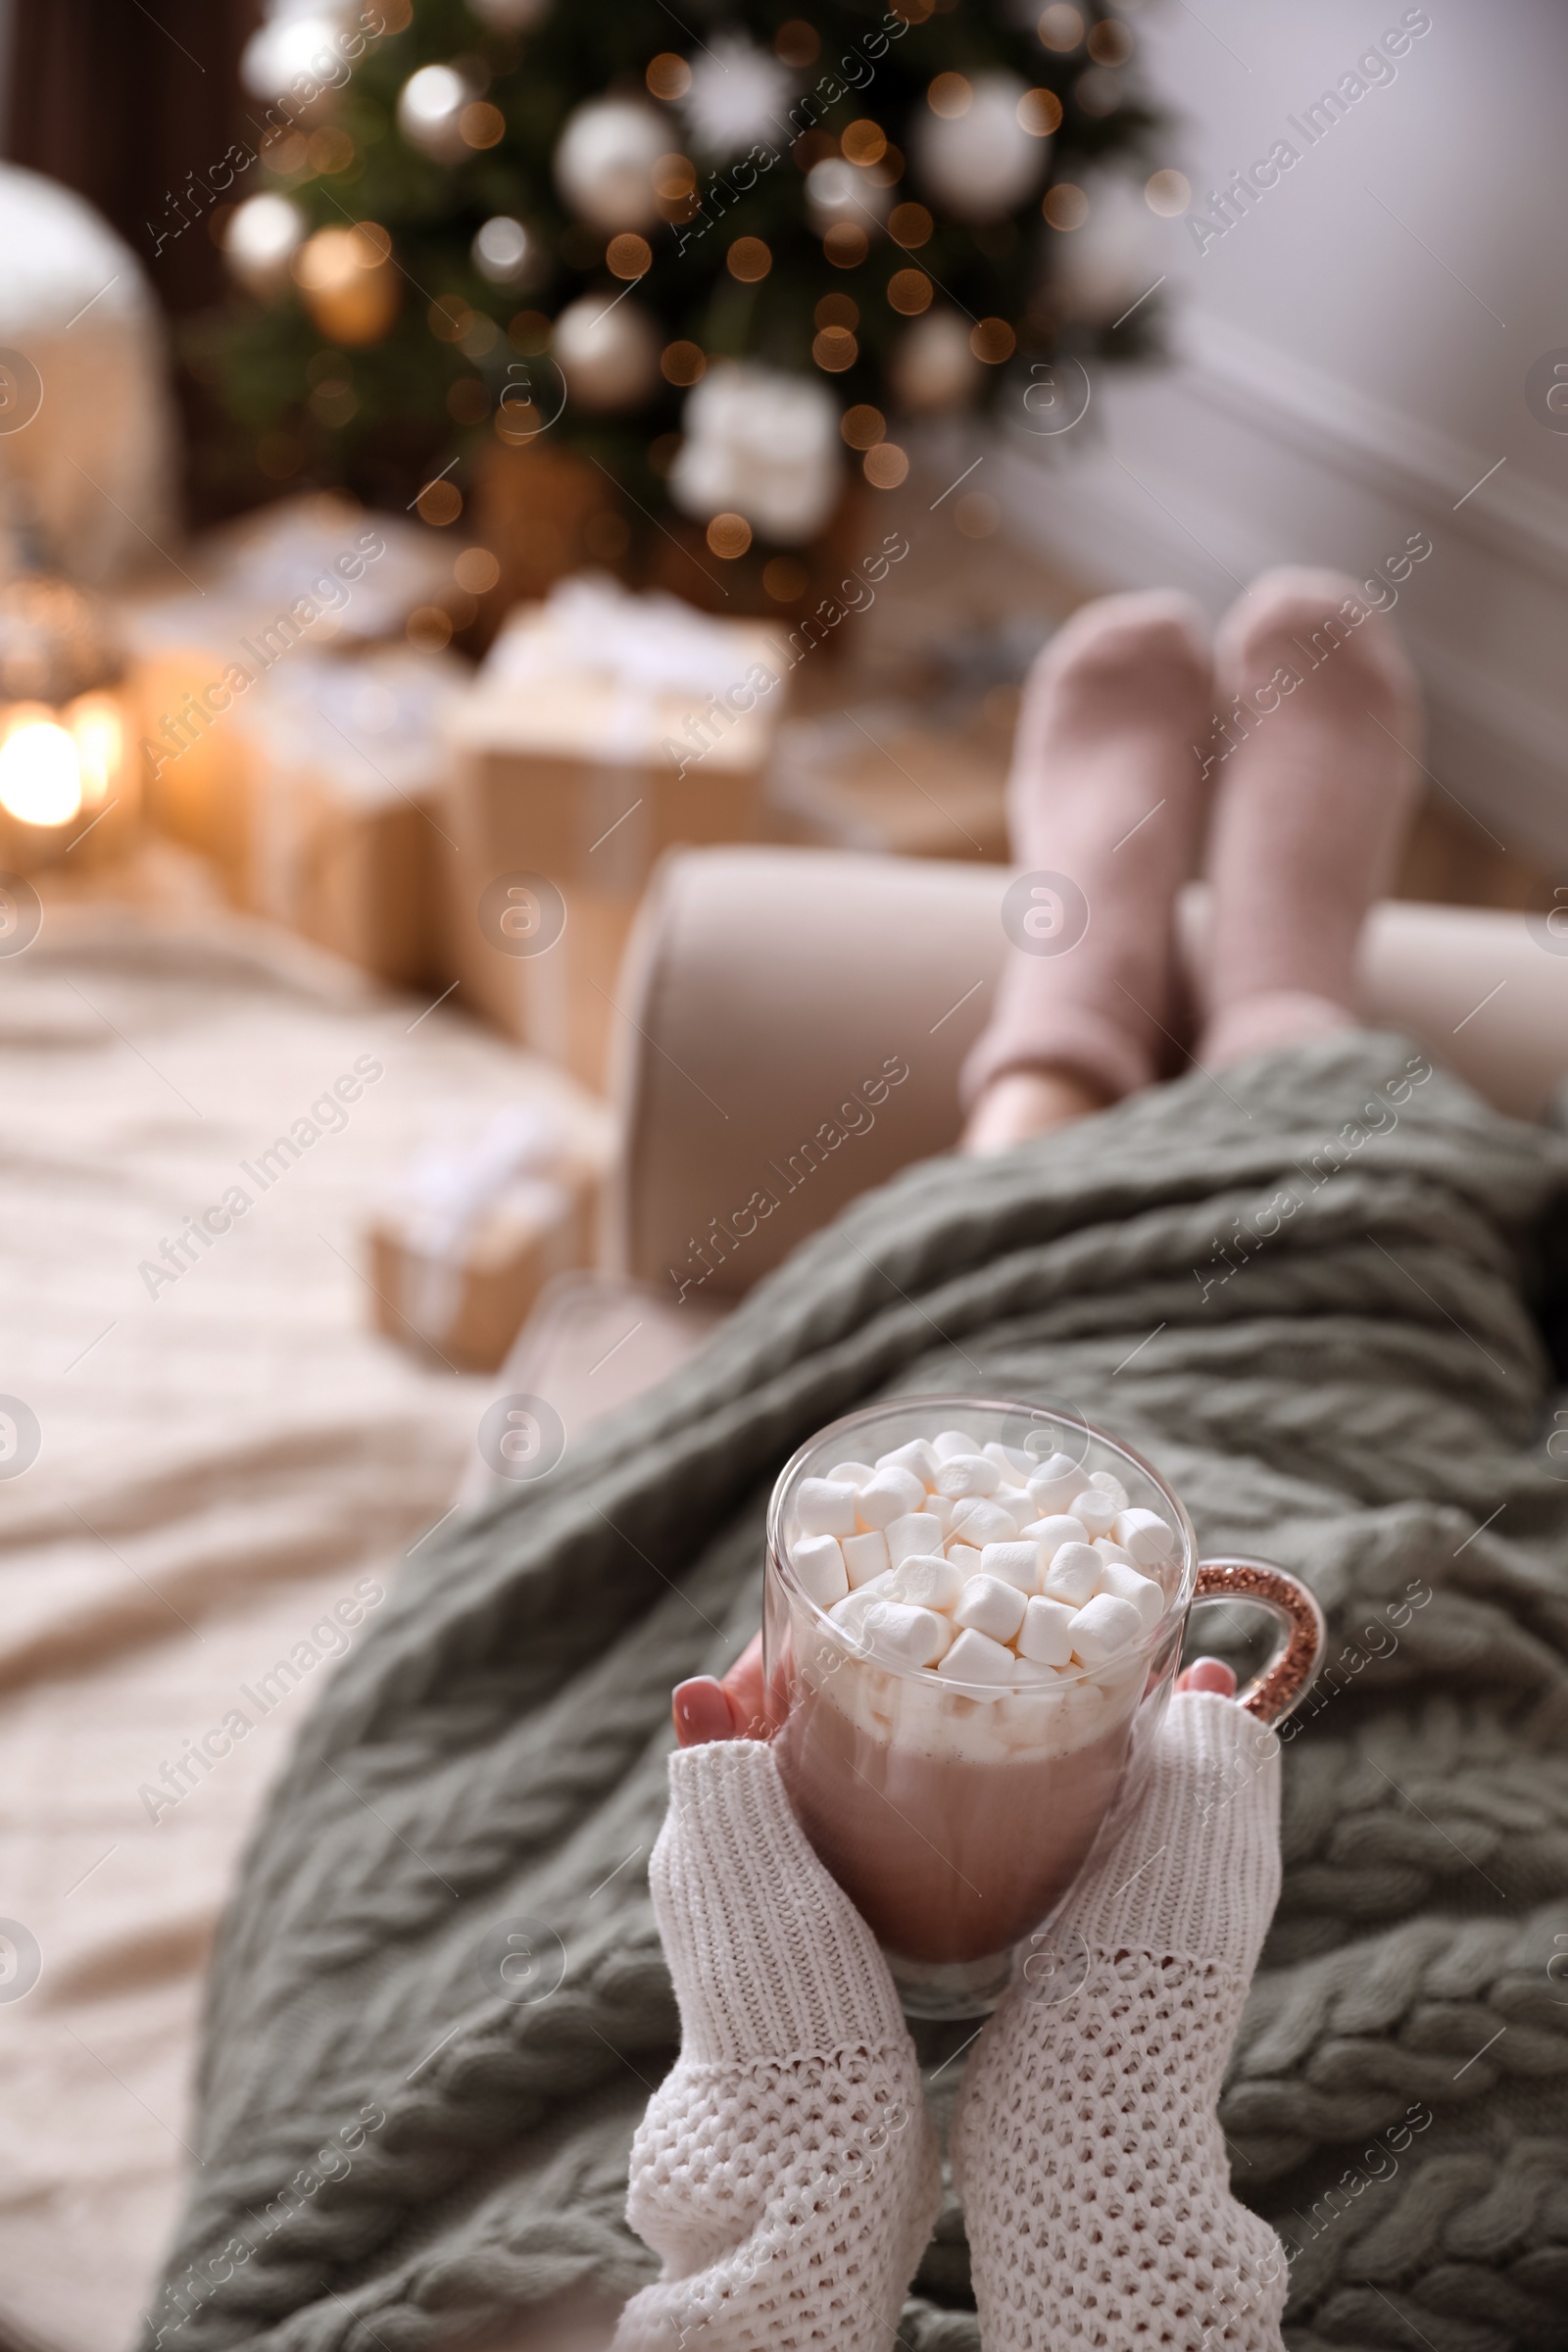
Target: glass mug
953, 1816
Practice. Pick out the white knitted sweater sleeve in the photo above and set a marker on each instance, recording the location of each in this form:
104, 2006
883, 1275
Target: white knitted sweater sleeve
785, 2171
1087, 2149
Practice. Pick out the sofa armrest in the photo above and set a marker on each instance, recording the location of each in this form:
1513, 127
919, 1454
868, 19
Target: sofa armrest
792, 1024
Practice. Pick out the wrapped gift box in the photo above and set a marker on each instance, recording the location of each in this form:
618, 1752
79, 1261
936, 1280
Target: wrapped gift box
305, 573
345, 835
460, 1251
602, 729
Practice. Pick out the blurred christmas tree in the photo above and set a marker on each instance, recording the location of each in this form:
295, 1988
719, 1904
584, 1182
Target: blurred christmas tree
574, 218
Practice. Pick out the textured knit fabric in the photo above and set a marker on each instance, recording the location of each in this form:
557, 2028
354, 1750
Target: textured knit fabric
1316, 1295
785, 2171
1088, 2150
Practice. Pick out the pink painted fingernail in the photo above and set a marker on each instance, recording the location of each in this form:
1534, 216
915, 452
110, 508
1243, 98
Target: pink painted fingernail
701, 1711
1209, 1674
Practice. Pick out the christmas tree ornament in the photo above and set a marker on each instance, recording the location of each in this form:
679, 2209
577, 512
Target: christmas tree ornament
738, 95
261, 238
970, 150
763, 445
1111, 259
507, 255
431, 107
604, 163
837, 191
349, 285
295, 40
934, 368
608, 351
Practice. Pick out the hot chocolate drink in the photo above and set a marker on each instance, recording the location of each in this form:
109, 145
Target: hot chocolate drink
960, 1633
948, 1853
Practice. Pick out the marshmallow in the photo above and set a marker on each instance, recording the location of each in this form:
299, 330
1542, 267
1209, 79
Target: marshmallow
1013, 1563
975, 1658
849, 1615
891, 1494
1108, 1483
977, 1521
1046, 1633
818, 1566
1147, 1598
1052, 1533
1094, 1509
852, 1474
1074, 1576
866, 1556
913, 1636
1012, 1461
824, 1508
1146, 1536
990, 1607
1103, 1627
941, 1508
916, 1531
966, 1474
1018, 1502
951, 1442
926, 1580
1054, 1483
1108, 1550
966, 1559
917, 1456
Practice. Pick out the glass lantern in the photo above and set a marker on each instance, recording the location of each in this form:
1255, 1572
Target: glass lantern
68, 773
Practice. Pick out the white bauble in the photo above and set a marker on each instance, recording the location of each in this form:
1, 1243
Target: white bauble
604, 161
761, 443
933, 367
608, 351
738, 98
298, 36
508, 254
836, 191
431, 106
1097, 269
261, 238
982, 162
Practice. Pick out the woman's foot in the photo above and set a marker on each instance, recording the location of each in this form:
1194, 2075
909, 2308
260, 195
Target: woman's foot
1314, 804
1106, 792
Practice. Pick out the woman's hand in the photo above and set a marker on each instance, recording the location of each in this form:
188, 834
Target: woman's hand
734, 1708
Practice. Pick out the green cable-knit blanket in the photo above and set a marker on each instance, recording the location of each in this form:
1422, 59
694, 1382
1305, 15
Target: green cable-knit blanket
1318, 1294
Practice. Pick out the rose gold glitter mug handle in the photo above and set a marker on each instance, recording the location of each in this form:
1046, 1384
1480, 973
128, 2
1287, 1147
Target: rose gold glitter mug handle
1284, 1682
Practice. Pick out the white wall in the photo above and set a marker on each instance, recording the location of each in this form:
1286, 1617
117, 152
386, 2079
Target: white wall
1352, 359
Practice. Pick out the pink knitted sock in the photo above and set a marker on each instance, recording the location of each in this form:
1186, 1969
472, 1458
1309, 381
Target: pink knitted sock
1104, 805
1312, 806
